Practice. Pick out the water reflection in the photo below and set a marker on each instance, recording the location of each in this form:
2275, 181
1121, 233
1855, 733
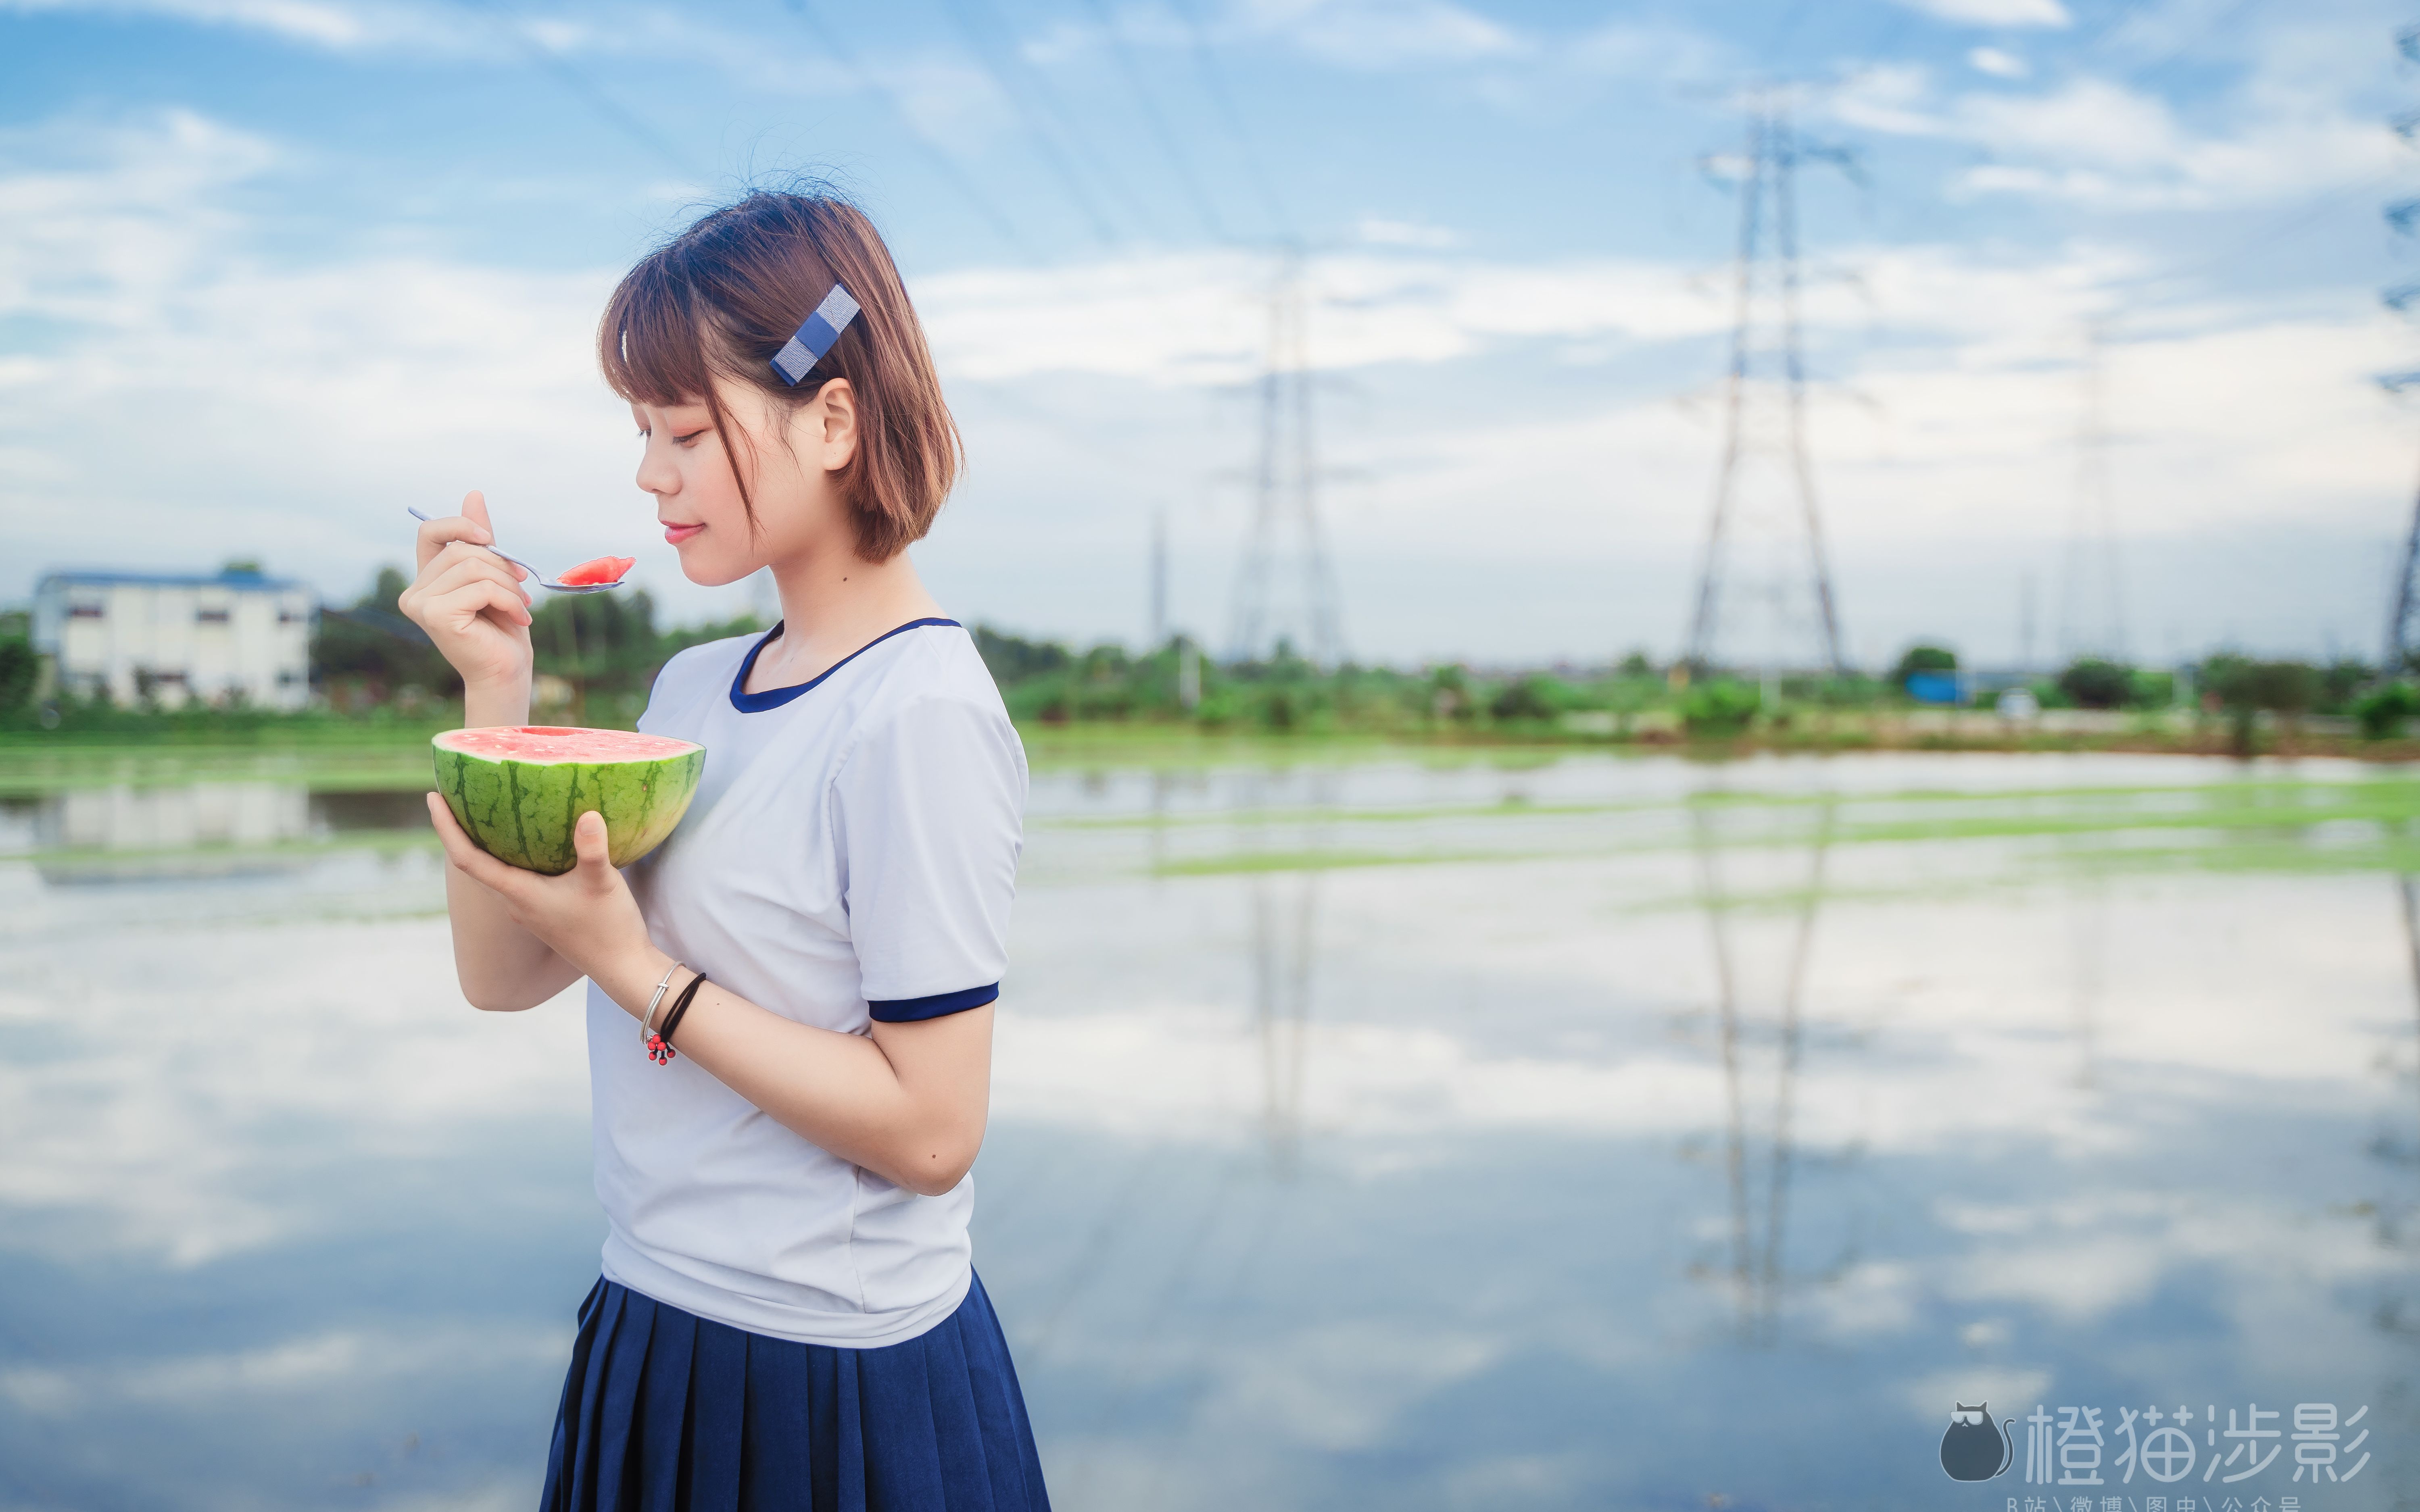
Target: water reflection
1332, 1159
1757, 1149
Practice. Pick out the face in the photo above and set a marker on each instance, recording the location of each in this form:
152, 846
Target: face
790, 454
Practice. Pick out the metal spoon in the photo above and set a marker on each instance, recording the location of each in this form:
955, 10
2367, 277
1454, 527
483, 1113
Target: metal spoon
545, 583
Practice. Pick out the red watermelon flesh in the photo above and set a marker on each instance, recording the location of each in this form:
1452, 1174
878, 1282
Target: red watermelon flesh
602, 570
518, 790
563, 743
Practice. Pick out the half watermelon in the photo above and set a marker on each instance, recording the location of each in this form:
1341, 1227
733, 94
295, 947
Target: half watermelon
518, 790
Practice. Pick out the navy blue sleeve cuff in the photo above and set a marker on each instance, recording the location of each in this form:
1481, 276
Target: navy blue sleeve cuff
909, 1009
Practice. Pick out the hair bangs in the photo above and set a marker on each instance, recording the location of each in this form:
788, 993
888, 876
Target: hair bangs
650, 343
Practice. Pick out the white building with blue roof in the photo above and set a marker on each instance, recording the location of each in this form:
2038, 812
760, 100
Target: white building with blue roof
229, 636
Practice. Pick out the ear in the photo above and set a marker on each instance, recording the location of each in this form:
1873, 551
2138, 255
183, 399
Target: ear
833, 417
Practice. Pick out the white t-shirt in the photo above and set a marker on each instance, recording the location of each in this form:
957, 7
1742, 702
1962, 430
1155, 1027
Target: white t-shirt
850, 855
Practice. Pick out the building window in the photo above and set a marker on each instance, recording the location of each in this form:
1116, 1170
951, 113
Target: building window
210, 616
85, 611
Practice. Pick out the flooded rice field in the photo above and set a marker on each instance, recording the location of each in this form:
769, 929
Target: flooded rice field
1406, 1134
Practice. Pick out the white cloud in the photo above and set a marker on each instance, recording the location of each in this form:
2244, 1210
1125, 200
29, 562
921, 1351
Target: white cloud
337, 26
1375, 34
2099, 143
1995, 12
1377, 231
1999, 64
407, 377
1635, 50
339, 1359
774, 59
1930, 1398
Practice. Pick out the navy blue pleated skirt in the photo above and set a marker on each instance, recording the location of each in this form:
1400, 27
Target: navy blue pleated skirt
667, 1412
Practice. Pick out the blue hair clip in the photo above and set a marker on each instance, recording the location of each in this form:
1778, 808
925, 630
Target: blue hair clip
802, 351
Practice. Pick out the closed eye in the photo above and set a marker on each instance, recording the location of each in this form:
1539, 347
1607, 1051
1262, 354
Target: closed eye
690, 440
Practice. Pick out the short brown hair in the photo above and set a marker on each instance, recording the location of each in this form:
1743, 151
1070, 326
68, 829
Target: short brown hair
724, 296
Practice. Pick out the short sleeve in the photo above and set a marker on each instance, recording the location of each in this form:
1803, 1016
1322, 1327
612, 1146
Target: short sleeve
930, 812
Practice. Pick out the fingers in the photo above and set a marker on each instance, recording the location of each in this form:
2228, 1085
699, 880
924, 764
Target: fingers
589, 842
436, 535
499, 602
474, 509
455, 609
466, 550
454, 593
449, 573
464, 855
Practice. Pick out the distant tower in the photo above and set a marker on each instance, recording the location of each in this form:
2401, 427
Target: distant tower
1764, 543
1159, 579
2402, 634
2091, 593
1285, 590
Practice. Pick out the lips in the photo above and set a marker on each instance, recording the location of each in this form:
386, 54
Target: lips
676, 533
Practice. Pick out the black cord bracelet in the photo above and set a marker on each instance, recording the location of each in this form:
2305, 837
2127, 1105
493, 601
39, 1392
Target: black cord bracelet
680, 1005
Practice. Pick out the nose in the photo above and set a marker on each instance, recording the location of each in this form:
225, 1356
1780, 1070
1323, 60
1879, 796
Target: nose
656, 475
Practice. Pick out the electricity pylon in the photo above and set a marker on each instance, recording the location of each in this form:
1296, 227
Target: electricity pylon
1765, 419
2402, 215
2091, 591
2400, 647
1285, 590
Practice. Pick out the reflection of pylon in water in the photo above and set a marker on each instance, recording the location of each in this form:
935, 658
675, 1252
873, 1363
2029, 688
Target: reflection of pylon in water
2409, 887
1758, 1188
2088, 946
1285, 919
1285, 591
1764, 432
2395, 1227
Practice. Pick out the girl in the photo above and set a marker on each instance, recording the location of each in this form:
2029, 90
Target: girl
789, 1003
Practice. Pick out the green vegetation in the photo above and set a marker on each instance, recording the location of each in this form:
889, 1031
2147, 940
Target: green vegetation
2382, 711
1923, 659
379, 682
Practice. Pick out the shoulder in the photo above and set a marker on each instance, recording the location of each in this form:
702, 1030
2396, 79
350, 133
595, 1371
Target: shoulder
935, 688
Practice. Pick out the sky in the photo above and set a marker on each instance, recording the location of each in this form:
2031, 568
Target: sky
272, 270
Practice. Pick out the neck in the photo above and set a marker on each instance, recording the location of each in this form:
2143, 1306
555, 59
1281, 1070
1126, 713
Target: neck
833, 602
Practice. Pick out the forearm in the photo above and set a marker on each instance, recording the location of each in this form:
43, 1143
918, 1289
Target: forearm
501, 965
916, 1121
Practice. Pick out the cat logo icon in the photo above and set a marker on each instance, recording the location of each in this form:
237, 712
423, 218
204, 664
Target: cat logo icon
1970, 1450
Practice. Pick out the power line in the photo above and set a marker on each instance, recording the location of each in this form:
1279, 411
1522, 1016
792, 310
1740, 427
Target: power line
947, 168
1214, 82
998, 62
1157, 120
585, 89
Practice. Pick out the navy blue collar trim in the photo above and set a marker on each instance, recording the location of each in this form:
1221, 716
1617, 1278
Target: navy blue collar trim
773, 698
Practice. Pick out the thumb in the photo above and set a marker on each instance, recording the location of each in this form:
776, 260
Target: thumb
588, 842
474, 509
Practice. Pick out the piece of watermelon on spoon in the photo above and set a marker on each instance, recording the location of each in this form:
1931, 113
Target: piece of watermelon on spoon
604, 572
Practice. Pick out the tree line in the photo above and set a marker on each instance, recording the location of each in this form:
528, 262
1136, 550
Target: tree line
597, 656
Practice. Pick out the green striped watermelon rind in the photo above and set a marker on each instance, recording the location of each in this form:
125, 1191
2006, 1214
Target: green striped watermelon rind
521, 812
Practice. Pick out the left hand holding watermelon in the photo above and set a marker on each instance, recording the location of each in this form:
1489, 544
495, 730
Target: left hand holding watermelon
587, 914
